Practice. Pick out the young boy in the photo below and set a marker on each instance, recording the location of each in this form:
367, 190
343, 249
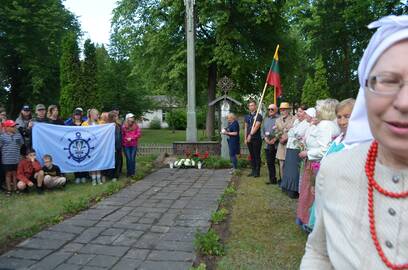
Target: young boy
29, 172
52, 174
10, 144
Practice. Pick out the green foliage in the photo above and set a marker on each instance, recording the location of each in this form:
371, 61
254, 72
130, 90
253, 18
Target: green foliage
208, 243
155, 123
219, 216
202, 266
69, 75
90, 96
316, 88
177, 119
216, 162
31, 35
201, 115
229, 191
243, 163
74, 206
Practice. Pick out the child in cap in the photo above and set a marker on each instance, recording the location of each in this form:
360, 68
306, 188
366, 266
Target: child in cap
10, 144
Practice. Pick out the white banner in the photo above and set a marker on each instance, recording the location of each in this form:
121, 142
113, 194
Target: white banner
76, 149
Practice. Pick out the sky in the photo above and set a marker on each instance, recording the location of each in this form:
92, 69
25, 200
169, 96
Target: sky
94, 17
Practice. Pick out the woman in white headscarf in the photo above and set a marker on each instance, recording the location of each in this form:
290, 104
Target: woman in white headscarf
361, 193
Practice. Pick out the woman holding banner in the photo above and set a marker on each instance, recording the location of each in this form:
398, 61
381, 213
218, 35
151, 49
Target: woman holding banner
93, 119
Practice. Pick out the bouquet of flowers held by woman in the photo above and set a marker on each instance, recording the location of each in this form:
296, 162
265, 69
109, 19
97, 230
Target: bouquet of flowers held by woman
300, 144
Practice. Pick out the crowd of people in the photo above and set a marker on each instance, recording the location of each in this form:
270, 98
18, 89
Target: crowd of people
296, 142
20, 170
346, 162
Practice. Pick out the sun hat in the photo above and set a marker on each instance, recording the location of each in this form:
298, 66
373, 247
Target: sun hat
284, 105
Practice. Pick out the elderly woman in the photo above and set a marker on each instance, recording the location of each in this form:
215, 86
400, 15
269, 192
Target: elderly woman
290, 180
361, 208
317, 143
232, 131
343, 113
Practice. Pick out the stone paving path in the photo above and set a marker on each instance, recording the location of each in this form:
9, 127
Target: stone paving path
149, 225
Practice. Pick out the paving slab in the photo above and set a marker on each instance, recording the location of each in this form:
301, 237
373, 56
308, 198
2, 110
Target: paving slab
148, 225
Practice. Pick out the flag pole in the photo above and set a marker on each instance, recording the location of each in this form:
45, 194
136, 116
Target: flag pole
262, 96
274, 96
259, 107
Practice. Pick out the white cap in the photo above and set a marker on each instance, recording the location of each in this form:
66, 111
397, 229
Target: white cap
311, 112
129, 115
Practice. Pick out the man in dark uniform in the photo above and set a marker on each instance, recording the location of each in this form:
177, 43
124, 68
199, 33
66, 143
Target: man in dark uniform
253, 138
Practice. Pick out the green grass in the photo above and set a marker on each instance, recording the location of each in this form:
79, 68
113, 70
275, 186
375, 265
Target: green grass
263, 233
166, 136
21, 216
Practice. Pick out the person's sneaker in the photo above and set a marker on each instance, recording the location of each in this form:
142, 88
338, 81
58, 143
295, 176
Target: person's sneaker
77, 181
83, 180
114, 179
99, 181
93, 182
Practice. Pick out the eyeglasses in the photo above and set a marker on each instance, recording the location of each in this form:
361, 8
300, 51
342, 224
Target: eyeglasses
271, 109
385, 84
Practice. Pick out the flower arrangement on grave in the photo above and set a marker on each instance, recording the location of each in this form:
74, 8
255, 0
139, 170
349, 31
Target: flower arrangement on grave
191, 160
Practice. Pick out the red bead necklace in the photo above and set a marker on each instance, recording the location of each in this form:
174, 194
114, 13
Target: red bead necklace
372, 184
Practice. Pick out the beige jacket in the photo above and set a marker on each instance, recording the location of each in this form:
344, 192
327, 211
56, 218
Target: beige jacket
341, 237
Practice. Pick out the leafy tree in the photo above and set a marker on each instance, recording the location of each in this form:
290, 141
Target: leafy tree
90, 96
70, 67
30, 38
233, 38
316, 88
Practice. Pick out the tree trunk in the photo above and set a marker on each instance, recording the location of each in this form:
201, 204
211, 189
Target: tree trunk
212, 83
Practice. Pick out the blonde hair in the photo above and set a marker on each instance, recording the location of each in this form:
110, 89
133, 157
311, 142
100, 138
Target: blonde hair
104, 117
232, 116
51, 108
90, 112
326, 109
345, 103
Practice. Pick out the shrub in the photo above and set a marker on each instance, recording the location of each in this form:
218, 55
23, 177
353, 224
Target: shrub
216, 162
219, 216
201, 117
202, 266
177, 119
208, 243
155, 123
243, 163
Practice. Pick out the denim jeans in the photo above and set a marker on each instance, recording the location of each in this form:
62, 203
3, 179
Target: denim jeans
130, 153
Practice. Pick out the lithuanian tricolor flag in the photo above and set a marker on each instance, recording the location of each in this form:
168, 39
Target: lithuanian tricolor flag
274, 76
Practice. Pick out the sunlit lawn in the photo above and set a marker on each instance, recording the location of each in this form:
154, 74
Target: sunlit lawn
23, 215
263, 233
166, 136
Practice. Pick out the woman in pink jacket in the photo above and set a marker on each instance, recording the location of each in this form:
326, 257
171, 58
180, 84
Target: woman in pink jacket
130, 135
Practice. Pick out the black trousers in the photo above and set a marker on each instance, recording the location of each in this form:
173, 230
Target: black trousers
270, 161
116, 172
254, 147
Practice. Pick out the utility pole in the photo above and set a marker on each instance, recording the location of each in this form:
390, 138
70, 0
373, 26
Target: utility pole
191, 132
